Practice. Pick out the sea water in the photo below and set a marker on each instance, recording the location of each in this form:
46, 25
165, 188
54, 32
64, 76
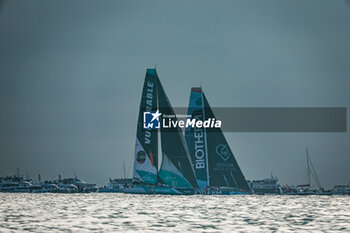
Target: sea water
115, 212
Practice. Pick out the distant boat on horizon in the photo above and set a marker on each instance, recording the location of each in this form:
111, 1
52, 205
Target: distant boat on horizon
305, 189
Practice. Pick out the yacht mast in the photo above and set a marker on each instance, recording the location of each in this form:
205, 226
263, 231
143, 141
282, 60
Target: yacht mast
308, 167
205, 138
312, 171
124, 169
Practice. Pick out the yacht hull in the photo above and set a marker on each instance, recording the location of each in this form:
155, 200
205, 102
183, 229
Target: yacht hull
215, 191
159, 190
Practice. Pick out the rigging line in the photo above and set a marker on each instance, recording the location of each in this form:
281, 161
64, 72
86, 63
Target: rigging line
130, 165
226, 180
234, 180
178, 162
315, 174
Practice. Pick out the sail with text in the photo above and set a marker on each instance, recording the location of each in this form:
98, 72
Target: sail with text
146, 148
213, 160
196, 138
176, 168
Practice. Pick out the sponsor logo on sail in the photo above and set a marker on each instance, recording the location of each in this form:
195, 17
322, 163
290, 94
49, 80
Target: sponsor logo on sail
147, 116
199, 149
141, 157
223, 151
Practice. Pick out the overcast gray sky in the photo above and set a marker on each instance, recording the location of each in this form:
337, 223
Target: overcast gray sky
71, 75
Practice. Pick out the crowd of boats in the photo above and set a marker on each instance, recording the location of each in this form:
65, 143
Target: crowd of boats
269, 186
197, 160
20, 184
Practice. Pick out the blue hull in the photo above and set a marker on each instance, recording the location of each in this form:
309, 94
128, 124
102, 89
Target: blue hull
225, 191
158, 190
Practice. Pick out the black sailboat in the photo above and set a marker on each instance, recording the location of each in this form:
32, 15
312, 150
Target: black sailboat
215, 166
176, 169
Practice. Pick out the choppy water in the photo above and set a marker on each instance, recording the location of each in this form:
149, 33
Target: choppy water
124, 212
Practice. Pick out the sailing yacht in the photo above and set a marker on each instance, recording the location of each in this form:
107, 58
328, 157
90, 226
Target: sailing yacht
175, 174
305, 189
215, 166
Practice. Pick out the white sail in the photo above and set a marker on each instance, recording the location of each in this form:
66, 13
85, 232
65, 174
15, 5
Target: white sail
144, 168
171, 175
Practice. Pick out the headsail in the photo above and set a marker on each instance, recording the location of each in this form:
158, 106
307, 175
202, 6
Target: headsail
176, 169
146, 148
223, 167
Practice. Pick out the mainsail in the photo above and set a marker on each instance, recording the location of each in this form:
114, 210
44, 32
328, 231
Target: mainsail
176, 169
146, 148
196, 139
221, 167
